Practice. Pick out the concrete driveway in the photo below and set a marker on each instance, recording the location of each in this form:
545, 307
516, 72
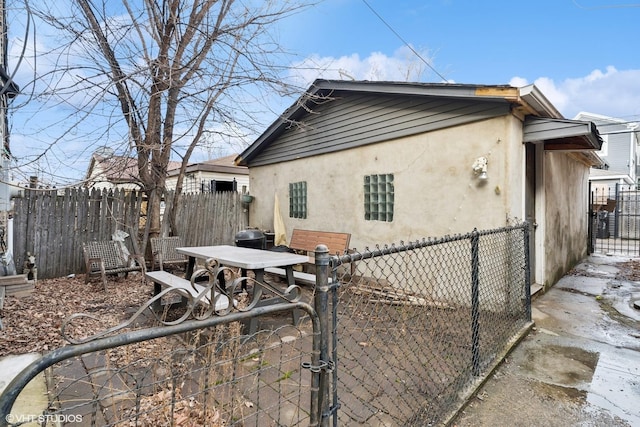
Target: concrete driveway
580, 365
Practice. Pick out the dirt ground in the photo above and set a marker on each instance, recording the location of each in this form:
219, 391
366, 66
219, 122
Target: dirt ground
32, 323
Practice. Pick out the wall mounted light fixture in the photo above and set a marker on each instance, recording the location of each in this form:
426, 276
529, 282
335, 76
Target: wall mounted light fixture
480, 168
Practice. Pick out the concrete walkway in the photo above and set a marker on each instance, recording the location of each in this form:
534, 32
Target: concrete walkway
580, 365
33, 400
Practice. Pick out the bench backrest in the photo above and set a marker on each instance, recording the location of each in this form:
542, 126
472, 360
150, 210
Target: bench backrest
165, 248
307, 240
109, 251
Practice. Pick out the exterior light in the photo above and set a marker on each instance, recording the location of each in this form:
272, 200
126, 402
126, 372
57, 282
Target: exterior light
480, 168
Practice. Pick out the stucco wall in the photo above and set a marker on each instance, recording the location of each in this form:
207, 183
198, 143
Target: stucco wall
566, 215
436, 192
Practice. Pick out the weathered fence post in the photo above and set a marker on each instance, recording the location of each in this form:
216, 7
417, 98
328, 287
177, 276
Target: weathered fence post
526, 229
322, 309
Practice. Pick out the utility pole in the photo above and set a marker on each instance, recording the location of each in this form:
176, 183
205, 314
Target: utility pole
4, 149
8, 91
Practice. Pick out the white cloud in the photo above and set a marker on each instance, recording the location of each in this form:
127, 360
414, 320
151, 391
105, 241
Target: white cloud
611, 92
402, 66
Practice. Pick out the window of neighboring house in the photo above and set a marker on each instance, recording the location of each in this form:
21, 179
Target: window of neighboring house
298, 199
378, 197
218, 186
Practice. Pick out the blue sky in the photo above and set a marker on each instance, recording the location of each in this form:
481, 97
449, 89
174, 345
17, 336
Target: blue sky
582, 54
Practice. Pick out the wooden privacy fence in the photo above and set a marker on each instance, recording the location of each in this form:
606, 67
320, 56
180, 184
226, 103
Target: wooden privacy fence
54, 224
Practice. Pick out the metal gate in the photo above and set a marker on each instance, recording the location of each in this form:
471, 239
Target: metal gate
615, 219
192, 368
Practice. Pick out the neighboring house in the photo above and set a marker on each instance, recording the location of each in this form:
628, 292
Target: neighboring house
389, 161
614, 185
620, 151
108, 171
220, 174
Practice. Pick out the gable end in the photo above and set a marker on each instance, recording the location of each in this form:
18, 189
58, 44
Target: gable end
354, 120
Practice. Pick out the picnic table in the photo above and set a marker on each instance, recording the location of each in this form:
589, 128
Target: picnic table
256, 260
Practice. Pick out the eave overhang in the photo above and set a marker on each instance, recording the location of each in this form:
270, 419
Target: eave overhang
527, 103
562, 134
204, 167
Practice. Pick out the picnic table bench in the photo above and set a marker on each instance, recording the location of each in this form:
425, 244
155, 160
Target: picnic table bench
306, 241
104, 257
164, 279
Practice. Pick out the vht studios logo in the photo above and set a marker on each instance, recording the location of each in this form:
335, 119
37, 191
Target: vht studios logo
43, 419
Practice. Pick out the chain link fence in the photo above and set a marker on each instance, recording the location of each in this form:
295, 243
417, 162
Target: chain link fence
396, 336
210, 377
416, 325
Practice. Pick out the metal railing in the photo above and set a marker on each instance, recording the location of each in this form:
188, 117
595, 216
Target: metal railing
190, 367
615, 220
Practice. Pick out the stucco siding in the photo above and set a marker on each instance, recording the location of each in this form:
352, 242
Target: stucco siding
566, 215
436, 192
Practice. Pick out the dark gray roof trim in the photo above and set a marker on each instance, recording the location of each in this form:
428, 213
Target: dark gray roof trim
562, 134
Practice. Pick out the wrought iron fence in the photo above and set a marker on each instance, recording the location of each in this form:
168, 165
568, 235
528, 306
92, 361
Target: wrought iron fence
615, 219
416, 325
192, 368
397, 335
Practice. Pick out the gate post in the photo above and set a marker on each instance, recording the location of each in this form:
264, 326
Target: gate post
321, 306
475, 302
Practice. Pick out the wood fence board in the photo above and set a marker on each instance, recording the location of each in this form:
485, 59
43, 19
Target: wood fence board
53, 226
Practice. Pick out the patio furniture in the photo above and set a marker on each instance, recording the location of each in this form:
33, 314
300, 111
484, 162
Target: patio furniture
107, 257
256, 260
163, 250
305, 241
164, 279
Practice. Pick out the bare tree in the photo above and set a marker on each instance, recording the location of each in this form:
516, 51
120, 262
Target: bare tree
170, 70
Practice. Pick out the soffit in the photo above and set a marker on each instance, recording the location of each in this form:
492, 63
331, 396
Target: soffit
562, 134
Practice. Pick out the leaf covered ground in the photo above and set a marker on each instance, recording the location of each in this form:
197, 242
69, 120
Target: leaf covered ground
32, 323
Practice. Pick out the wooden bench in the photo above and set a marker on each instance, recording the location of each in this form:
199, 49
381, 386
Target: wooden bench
163, 250
164, 279
306, 241
299, 276
107, 257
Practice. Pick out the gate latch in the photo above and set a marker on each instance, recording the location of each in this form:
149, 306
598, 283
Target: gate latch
322, 366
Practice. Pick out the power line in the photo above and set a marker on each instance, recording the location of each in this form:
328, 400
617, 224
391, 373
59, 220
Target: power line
404, 41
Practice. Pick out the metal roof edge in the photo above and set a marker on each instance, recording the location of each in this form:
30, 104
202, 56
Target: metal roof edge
545, 128
538, 102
